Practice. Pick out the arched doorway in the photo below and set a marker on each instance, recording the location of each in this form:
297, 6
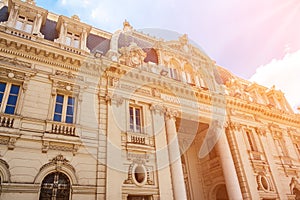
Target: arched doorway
55, 186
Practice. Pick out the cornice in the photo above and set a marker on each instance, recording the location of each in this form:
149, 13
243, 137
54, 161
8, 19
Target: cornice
262, 111
48, 54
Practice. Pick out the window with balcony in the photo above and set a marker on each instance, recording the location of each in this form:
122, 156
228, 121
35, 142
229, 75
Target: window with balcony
135, 119
64, 108
24, 24
9, 94
72, 40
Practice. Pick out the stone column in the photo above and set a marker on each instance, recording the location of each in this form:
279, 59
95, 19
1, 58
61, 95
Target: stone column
174, 156
229, 172
162, 154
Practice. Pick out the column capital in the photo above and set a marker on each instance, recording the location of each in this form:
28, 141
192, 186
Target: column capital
171, 113
233, 125
157, 109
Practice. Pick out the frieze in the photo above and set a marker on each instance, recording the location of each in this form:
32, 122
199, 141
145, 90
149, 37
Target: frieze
66, 87
135, 89
12, 74
47, 145
14, 62
136, 156
68, 75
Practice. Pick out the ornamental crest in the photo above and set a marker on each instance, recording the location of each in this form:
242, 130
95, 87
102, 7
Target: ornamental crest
132, 55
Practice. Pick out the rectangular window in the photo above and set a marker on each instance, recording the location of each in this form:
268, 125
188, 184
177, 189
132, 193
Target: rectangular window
173, 73
135, 119
64, 109
72, 40
8, 97
24, 24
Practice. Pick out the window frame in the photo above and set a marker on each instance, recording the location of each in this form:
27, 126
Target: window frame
56, 185
136, 120
7, 93
64, 110
73, 37
24, 22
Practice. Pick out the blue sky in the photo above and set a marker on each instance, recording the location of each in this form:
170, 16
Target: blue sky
242, 36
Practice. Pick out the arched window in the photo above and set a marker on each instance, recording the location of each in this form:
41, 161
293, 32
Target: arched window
55, 186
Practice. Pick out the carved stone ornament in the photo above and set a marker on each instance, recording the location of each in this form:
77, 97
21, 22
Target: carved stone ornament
138, 174
294, 184
261, 130
171, 113
59, 161
14, 62
156, 108
132, 55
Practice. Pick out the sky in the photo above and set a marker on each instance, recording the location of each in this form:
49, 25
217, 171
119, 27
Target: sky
257, 40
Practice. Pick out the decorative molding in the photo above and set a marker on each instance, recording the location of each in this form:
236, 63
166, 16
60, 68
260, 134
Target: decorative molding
15, 62
262, 130
133, 55
171, 113
4, 170
59, 161
58, 146
157, 109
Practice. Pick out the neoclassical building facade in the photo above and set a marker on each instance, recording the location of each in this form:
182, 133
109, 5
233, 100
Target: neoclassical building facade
88, 114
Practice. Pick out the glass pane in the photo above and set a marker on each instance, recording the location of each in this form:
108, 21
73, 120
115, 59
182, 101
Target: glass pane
19, 25
59, 98
69, 119
57, 117
58, 108
71, 100
10, 110
131, 118
28, 28
14, 89
68, 41
12, 100
76, 43
70, 110
2, 87
1, 97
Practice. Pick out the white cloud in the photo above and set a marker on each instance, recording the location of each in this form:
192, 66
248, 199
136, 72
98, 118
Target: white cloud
284, 74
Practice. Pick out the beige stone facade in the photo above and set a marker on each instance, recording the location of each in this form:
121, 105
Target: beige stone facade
88, 114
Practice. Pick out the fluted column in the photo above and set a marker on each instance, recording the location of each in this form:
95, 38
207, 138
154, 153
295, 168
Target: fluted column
229, 172
174, 156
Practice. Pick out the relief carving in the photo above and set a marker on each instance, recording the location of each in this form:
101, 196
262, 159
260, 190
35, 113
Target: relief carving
132, 55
